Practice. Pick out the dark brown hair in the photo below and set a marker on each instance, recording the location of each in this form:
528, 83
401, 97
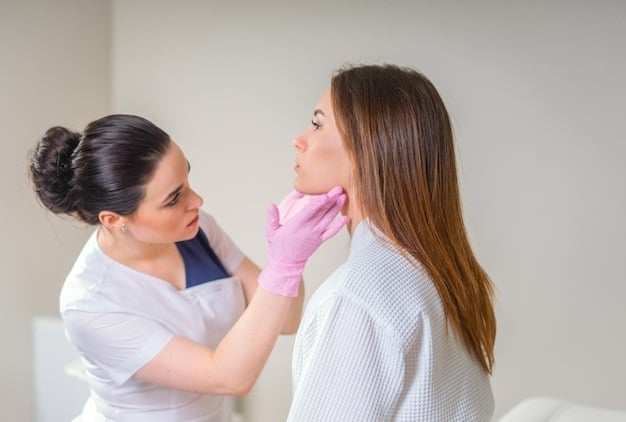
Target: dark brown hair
104, 168
397, 131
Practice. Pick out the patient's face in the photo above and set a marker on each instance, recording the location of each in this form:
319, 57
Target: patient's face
322, 162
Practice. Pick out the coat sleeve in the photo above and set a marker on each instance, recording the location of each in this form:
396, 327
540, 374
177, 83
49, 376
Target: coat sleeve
226, 250
117, 343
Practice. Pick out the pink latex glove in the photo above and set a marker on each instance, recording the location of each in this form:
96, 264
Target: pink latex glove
291, 243
291, 204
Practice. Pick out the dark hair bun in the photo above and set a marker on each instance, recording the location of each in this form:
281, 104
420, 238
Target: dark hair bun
51, 169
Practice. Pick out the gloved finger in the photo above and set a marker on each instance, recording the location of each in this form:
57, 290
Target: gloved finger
317, 206
334, 228
271, 220
289, 200
329, 215
290, 206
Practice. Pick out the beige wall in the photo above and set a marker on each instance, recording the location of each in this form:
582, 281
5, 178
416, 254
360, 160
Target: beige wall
54, 69
535, 91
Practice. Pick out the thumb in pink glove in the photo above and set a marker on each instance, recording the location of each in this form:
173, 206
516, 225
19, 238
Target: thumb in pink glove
291, 243
291, 204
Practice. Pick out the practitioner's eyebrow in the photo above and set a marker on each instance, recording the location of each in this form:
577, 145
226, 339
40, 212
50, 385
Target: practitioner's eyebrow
172, 194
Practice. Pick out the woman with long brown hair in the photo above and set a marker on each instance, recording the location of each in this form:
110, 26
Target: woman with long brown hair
404, 330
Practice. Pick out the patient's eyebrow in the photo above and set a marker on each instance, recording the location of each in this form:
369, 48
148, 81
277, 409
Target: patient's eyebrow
318, 111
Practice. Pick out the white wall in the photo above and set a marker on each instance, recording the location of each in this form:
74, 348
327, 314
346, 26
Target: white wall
536, 91
54, 69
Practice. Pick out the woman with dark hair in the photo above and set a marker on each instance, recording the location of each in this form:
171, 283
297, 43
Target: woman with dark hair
162, 306
404, 330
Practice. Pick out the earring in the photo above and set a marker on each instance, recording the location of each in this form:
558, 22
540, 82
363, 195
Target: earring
123, 229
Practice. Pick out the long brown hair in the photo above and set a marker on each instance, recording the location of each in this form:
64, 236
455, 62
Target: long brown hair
397, 131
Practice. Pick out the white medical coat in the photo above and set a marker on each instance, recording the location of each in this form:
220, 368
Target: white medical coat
119, 319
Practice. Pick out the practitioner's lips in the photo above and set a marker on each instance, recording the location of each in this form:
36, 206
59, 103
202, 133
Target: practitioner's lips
193, 222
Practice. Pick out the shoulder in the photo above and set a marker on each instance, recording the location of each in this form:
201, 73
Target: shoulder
225, 248
394, 288
86, 275
208, 222
98, 283
210, 227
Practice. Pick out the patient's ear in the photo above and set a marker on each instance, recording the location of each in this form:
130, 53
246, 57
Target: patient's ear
111, 220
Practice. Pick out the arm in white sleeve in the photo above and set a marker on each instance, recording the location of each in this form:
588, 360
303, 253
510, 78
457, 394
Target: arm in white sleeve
350, 367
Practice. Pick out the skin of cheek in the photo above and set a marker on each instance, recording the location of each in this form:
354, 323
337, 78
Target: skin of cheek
161, 227
317, 184
322, 171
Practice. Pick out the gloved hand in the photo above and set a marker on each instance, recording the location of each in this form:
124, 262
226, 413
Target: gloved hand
291, 204
291, 243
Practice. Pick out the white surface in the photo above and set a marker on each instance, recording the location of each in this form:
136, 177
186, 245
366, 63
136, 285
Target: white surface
76, 369
59, 396
546, 409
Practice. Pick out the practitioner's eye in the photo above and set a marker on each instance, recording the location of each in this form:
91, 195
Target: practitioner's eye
174, 200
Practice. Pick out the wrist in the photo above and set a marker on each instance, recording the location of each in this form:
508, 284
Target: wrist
281, 278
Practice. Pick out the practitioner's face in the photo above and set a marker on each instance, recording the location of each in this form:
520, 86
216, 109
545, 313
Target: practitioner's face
169, 211
322, 162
